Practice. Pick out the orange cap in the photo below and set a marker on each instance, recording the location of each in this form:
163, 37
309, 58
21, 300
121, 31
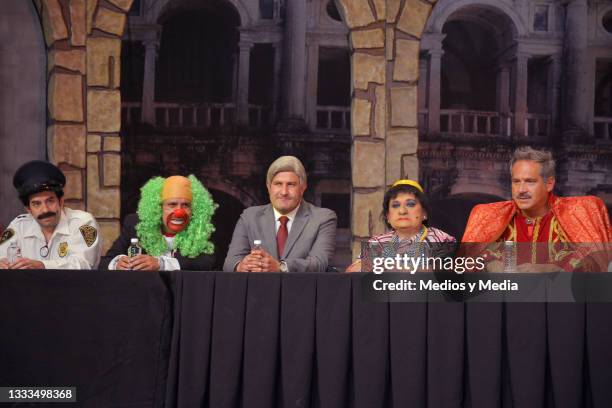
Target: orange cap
176, 187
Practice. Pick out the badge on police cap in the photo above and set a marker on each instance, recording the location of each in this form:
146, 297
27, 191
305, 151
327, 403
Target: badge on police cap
62, 251
89, 234
6, 235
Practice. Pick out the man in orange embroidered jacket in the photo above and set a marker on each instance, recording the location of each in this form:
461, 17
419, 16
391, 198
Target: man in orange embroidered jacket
535, 215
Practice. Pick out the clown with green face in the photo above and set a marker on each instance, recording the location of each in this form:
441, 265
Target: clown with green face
173, 227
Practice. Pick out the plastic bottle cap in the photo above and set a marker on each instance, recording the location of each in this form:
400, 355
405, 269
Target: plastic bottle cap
134, 240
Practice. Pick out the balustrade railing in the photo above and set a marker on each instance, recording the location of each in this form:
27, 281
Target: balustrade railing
201, 115
537, 125
485, 123
602, 128
260, 116
333, 118
130, 112
194, 115
476, 123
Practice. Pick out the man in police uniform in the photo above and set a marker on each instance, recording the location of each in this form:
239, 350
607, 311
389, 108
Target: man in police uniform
50, 236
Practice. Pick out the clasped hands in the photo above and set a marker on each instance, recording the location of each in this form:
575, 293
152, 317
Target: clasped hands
258, 261
21, 263
138, 263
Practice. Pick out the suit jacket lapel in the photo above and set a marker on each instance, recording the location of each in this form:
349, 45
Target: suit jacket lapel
300, 221
267, 226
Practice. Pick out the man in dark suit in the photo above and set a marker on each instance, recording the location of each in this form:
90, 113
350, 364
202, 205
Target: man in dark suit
172, 226
295, 235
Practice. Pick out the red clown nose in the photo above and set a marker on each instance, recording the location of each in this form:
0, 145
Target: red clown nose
177, 214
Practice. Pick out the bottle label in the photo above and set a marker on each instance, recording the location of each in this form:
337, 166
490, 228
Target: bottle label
134, 250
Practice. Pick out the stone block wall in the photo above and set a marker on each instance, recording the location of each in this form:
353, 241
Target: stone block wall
385, 37
83, 39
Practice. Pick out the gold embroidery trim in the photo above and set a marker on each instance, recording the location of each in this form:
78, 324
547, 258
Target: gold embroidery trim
534, 240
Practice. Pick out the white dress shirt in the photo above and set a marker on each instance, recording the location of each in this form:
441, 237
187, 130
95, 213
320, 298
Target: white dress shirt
167, 261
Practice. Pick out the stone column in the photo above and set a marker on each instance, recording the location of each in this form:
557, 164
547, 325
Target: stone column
554, 84
148, 82
503, 99
520, 93
295, 59
503, 89
312, 83
433, 107
244, 60
577, 105
423, 80
422, 95
276, 85
235, 64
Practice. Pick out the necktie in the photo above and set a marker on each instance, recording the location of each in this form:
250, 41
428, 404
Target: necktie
281, 235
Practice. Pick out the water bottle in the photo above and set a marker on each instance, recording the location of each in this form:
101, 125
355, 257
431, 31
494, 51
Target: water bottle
134, 248
509, 256
256, 245
13, 253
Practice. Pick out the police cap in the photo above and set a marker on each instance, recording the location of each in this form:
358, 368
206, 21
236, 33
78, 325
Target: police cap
36, 176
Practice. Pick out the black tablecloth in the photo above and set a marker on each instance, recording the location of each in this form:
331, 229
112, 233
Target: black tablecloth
106, 333
293, 340
270, 340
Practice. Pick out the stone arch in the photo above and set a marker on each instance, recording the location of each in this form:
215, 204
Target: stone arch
445, 10
185, 72
384, 38
231, 200
231, 189
167, 5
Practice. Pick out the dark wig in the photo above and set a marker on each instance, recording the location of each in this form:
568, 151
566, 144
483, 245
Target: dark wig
397, 190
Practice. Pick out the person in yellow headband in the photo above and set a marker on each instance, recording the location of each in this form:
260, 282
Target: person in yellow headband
405, 212
173, 227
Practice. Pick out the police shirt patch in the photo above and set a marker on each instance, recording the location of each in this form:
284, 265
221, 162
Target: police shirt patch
89, 234
6, 235
62, 251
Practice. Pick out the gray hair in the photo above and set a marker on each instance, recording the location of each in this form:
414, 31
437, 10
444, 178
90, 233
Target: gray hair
286, 163
545, 158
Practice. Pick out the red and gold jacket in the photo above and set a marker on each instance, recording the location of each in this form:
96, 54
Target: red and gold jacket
581, 220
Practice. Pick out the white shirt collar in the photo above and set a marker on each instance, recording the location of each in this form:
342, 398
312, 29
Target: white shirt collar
291, 215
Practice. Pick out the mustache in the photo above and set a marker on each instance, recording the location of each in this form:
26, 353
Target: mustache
524, 196
46, 215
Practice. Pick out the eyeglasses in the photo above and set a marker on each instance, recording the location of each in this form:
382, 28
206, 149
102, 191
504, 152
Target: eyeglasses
44, 251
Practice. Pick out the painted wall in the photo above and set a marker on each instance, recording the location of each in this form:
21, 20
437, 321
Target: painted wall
22, 97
